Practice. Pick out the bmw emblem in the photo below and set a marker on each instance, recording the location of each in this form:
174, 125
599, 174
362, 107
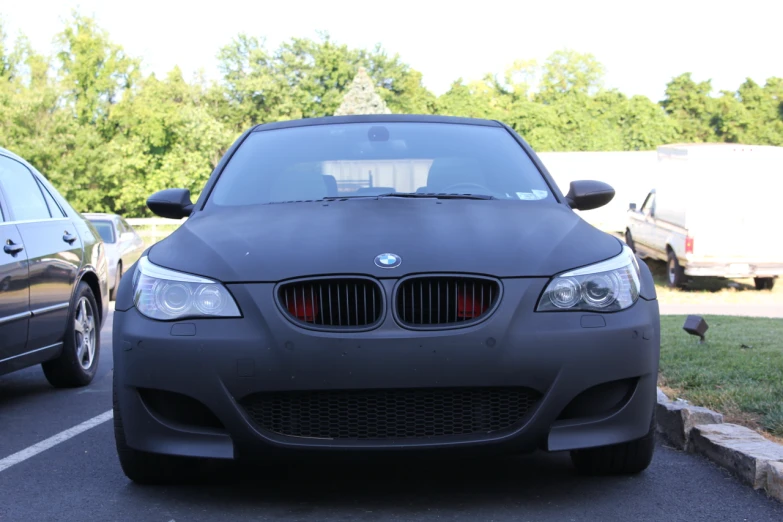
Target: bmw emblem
388, 260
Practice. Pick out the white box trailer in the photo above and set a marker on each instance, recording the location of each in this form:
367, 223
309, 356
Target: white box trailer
711, 211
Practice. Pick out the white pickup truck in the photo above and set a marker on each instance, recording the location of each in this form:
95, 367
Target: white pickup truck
713, 211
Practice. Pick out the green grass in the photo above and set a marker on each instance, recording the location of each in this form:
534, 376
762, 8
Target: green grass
743, 383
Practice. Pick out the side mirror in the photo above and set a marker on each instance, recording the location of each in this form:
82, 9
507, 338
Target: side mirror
589, 194
632, 206
171, 203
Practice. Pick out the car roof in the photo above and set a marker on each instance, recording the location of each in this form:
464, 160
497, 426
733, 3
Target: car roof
99, 215
375, 118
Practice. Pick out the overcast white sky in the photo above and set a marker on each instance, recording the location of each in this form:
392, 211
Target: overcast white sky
642, 44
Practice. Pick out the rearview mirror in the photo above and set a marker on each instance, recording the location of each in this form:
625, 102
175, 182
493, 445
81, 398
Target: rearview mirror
589, 194
632, 206
171, 203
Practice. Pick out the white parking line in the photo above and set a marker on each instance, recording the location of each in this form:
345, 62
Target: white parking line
54, 440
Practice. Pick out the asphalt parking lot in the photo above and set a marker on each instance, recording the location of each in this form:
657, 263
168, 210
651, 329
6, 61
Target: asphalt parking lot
76, 476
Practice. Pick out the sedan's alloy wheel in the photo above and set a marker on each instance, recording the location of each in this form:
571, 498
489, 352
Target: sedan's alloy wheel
77, 362
84, 332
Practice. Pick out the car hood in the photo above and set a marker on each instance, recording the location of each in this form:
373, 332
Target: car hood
274, 242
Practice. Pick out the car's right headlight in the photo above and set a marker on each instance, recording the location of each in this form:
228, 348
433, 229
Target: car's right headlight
607, 286
164, 294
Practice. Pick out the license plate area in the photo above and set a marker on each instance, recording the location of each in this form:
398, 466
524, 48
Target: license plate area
739, 269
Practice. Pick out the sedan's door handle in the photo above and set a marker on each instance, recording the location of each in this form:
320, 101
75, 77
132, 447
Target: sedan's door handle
12, 248
69, 238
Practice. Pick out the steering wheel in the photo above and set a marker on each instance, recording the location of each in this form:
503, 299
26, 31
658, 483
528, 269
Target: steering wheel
482, 188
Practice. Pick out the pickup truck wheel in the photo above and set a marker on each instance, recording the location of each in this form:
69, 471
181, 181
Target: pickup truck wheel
629, 241
764, 283
674, 272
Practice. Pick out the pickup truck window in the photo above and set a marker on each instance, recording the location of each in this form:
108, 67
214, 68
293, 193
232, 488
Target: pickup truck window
649, 204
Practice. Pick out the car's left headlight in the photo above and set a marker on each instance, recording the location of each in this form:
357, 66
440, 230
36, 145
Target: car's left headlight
607, 286
163, 294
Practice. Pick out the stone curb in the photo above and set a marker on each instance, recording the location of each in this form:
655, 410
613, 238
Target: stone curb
754, 459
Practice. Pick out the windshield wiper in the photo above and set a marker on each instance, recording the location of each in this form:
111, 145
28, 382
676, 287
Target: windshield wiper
434, 195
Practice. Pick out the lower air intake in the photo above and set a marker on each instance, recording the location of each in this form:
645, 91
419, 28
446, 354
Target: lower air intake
390, 414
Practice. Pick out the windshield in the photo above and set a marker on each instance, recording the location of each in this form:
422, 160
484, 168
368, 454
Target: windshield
105, 229
371, 159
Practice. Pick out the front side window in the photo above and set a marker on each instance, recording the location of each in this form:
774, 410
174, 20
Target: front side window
22, 193
368, 159
649, 204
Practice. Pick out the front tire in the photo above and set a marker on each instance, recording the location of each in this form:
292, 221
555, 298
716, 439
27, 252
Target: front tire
764, 283
149, 468
78, 361
675, 275
628, 458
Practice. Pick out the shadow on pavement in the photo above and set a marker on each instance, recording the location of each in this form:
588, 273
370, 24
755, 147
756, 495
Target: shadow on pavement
384, 484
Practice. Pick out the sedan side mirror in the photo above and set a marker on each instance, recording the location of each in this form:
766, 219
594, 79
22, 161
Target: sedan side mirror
632, 206
589, 194
171, 203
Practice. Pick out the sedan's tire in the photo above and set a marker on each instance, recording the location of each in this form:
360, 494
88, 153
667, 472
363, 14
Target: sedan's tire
78, 361
675, 275
764, 283
620, 459
149, 468
117, 278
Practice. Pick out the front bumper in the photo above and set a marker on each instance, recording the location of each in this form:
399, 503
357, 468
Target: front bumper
218, 362
733, 268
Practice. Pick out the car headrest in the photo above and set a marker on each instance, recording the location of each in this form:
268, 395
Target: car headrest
295, 186
331, 185
447, 171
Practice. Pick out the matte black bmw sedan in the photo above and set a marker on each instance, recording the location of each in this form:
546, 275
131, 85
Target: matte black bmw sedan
384, 283
53, 279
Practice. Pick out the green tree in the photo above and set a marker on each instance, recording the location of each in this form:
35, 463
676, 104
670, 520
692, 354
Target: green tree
166, 138
690, 105
566, 72
94, 71
764, 110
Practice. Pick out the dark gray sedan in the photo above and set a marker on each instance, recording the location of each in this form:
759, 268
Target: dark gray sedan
384, 284
53, 279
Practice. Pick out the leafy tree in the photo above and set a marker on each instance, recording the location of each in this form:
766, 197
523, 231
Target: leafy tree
690, 105
94, 71
567, 71
361, 97
764, 110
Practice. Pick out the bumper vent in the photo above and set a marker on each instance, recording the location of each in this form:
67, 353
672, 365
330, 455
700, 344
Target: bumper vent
344, 303
445, 300
390, 414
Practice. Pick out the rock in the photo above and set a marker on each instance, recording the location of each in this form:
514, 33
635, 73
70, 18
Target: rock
775, 480
740, 450
677, 419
